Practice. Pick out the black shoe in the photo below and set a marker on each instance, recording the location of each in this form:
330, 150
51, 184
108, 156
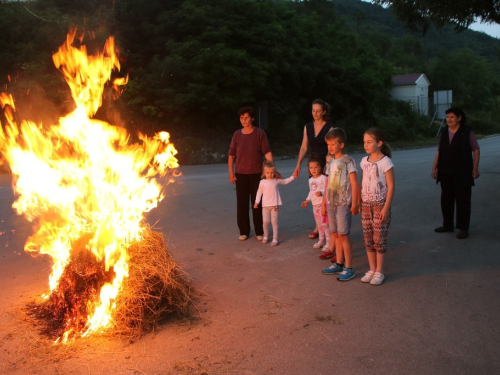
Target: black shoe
462, 234
443, 230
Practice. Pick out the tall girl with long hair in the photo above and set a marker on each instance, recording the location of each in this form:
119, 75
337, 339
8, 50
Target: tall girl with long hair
376, 194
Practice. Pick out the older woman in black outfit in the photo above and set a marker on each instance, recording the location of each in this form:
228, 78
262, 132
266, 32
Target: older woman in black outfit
456, 167
314, 136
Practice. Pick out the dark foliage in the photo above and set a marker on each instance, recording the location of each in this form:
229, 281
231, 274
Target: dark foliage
192, 63
421, 14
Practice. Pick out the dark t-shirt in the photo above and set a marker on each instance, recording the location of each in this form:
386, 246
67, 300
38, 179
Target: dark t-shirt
249, 150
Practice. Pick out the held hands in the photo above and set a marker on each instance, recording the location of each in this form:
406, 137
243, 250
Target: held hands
296, 171
354, 209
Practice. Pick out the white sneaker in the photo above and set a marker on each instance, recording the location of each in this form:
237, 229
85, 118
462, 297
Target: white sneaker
326, 248
378, 278
368, 277
318, 245
264, 240
274, 243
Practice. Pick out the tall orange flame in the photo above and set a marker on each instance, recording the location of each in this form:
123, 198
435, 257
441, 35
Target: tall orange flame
80, 181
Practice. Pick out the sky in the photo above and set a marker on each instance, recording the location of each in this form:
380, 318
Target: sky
490, 29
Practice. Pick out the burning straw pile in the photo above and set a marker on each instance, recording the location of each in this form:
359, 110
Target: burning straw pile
87, 188
155, 289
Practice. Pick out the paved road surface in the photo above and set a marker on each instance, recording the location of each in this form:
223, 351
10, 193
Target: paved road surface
270, 310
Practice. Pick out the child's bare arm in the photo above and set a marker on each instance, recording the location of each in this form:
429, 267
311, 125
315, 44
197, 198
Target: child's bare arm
389, 177
324, 202
353, 177
358, 198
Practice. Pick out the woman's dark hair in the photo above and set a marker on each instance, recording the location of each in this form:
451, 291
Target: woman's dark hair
459, 113
325, 107
377, 134
249, 110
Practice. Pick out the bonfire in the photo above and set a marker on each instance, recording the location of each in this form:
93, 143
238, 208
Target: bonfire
86, 188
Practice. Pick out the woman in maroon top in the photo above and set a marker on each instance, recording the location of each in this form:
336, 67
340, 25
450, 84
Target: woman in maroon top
249, 146
314, 136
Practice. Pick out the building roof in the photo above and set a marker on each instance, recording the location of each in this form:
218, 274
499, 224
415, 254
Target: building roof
408, 79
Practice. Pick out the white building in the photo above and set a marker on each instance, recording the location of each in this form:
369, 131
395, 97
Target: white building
412, 88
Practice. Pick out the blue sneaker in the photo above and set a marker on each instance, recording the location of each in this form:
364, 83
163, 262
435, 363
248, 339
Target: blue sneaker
332, 270
347, 274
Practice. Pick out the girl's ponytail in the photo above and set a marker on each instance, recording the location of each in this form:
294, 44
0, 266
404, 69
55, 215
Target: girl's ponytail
386, 150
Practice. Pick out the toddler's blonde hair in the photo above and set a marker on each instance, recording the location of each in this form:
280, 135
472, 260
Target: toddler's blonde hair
267, 164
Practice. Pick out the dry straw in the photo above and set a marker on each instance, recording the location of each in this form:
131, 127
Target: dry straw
156, 289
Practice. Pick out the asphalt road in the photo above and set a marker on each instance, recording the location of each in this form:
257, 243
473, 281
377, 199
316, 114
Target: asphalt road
267, 310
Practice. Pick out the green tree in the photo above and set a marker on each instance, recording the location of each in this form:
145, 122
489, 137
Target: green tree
407, 55
472, 79
420, 14
203, 59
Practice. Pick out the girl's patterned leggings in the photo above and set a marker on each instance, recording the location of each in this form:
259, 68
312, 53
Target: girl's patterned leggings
374, 230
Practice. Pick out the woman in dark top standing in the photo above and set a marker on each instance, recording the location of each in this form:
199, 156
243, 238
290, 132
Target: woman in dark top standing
314, 136
456, 166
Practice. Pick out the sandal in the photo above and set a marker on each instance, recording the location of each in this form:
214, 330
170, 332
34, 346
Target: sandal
327, 255
313, 235
318, 245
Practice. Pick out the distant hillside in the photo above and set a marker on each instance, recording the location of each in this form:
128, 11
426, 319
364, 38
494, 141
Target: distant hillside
365, 16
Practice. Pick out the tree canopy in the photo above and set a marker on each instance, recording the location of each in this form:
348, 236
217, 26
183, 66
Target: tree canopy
196, 60
421, 14
192, 63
